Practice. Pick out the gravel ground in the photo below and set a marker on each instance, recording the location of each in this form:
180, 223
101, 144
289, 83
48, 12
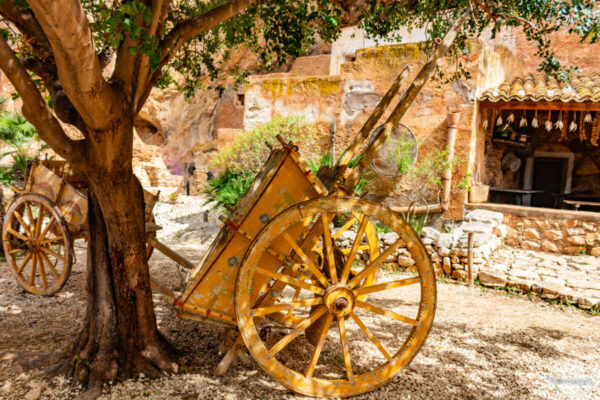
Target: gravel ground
485, 344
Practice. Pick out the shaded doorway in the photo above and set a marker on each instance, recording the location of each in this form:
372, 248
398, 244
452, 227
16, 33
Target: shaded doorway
548, 175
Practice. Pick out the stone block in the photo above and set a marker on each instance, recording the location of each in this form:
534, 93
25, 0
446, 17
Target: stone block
447, 267
458, 266
476, 227
435, 257
500, 231
429, 249
389, 238
404, 261
455, 260
577, 240
531, 233
588, 227
427, 241
553, 290
536, 288
531, 245
491, 217
595, 251
511, 233
492, 279
586, 303
429, 232
520, 284
574, 250
592, 238
575, 231
500, 267
460, 274
444, 251
553, 234
445, 240
547, 245
523, 274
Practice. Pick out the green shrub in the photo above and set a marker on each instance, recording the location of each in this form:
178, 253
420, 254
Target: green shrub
228, 188
15, 130
249, 150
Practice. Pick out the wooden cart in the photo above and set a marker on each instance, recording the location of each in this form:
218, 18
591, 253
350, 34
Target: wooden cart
278, 279
47, 214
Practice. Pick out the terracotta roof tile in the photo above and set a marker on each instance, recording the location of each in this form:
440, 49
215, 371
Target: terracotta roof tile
541, 87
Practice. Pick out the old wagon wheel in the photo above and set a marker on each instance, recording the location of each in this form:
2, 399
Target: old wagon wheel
372, 339
37, 244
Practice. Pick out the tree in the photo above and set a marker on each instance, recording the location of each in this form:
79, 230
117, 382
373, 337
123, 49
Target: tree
91, 64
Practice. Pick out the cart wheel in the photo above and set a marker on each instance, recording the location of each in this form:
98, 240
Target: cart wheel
37, 244
372, 339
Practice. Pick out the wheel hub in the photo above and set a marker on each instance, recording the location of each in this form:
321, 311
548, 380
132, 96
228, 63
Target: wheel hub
339, 300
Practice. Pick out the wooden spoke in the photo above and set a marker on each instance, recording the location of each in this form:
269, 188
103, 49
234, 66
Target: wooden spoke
38, 223
360, 248
345, 348
344, 227
17, 234
387, 286
371, 337
374, 264
33, 271
299, 329
30, 215
387, 313
42, 271
46, 229
311, 266
354, 249
45, 259
328, 245
286, 306
15, 251
339, 232
23, 224
53, 253
296, 297
290, 281
317, 351
51, 241
24, 263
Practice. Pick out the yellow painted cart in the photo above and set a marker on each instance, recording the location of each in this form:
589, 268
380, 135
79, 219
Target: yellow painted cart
298, 275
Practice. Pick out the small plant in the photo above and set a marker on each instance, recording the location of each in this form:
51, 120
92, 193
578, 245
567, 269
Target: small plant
326, 159
173, 197
382, 228
581, 252
228, 188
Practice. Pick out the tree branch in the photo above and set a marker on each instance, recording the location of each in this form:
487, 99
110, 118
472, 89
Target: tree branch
67, 29
42, 61
185, 31
35, 109
494, 17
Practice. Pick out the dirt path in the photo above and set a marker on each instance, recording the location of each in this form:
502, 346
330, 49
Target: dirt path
484, 345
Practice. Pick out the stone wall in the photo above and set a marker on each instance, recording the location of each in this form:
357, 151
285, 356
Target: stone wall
574, 234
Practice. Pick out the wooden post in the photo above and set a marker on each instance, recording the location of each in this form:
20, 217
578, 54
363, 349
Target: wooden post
452, 119
470, 258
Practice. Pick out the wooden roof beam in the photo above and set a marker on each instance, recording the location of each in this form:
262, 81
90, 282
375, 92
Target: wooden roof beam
538, 105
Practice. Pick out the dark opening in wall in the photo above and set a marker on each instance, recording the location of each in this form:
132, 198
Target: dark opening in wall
240, 99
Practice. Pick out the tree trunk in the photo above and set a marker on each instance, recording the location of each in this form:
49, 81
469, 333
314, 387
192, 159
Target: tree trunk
120, 338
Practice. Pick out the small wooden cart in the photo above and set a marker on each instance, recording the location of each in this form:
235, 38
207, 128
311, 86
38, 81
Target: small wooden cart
275, 277
47, 214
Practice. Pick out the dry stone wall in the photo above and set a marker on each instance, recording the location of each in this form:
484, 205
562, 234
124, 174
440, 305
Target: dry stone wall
565, 236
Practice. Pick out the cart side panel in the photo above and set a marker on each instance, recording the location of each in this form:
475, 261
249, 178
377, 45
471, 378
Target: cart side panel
213, 287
